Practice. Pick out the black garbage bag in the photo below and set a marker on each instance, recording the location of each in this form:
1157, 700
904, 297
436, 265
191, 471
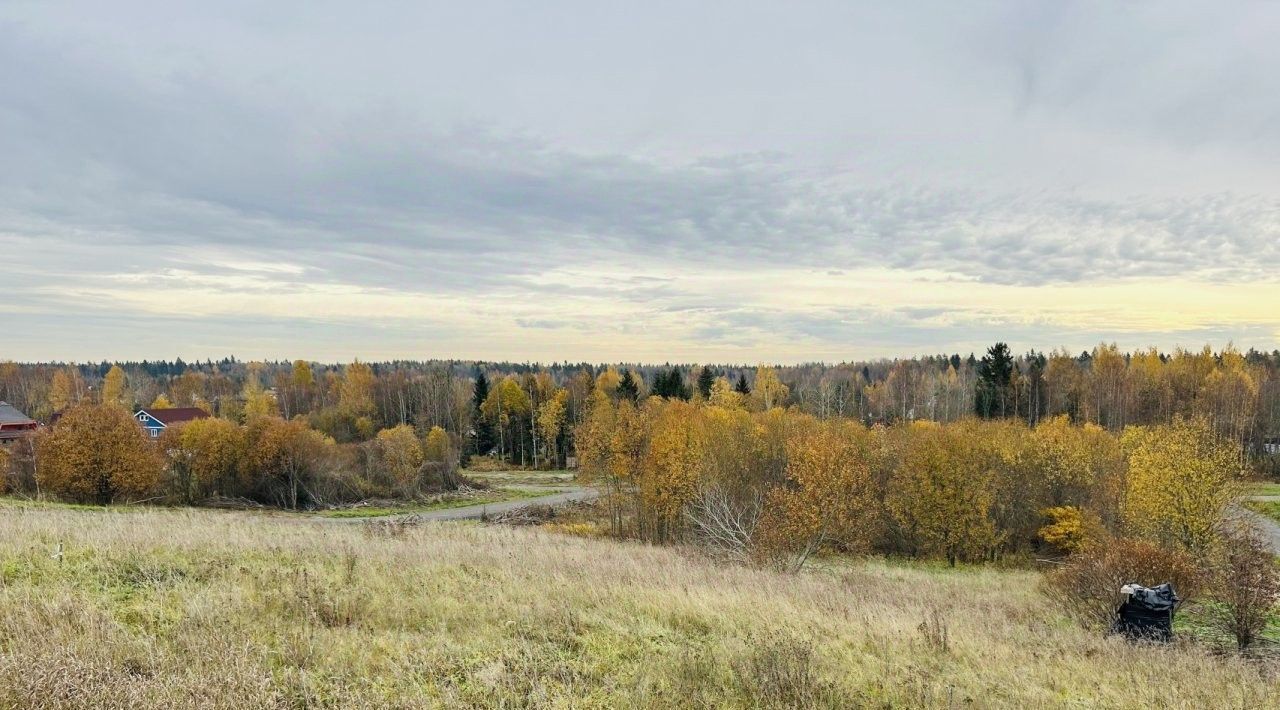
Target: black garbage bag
1146, 613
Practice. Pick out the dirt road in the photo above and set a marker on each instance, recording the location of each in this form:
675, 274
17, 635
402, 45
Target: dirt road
561, 495
1269, 528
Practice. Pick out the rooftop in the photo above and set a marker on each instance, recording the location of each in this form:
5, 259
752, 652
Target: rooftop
9, 415
177, 414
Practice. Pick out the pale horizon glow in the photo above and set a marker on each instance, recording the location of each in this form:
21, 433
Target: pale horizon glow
730, 182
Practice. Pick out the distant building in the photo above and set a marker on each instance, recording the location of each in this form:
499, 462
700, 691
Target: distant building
1271, 446
157, 420
14, 424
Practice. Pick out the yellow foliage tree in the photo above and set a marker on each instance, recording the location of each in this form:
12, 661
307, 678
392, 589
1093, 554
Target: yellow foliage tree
438, 447
6, 485
161, 402
607, 382
97, 453
1070, 528
206, 457
1180, 481
302, 376
284, 457
113, 387
506, 406
829, 496
769, 392
941, 493
401, 453
723, 395
611, 445
65, 389
258, 403
551, 422
671, 467
356, 392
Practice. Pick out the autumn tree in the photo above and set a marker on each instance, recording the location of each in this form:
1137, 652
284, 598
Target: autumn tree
769, 391
258, 403
206, 458
65, 389
1228, 398
668, 476
1179, 483
508, 407
1246, 585
401, 453
829, 497
161, 402
113, 387
727, 396
437, 447
7, 483
284, 459
298, 390
551, 420
611, 444
191, 390
97, 454
1106, 399
941, 493
607, 382
356, 393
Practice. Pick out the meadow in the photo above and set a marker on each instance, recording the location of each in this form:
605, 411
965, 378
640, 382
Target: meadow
196, 608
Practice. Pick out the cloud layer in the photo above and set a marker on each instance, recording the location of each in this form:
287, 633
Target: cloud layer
584, 183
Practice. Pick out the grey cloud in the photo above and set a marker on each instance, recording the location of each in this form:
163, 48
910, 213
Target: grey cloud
373, 157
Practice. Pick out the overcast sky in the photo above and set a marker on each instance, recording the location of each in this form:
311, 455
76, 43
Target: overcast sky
655, 181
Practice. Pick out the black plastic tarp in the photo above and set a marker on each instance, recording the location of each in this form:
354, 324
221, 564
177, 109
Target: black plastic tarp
1146, 613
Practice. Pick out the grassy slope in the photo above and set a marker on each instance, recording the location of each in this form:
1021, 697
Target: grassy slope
493, 495
1269, 508
190, 608
1263, 489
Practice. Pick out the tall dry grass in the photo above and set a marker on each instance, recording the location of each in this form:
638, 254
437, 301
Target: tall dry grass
214, 609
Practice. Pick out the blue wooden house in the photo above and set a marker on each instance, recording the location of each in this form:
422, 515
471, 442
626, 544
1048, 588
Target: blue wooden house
155, 421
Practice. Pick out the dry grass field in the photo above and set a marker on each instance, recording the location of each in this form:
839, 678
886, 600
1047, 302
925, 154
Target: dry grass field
178, 608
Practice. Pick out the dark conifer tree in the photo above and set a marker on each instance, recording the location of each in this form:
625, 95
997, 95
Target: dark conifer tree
995, 374
627, 387
706, 378
742, 387
483, 436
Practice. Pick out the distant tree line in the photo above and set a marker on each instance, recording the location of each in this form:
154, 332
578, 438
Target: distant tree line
530, 415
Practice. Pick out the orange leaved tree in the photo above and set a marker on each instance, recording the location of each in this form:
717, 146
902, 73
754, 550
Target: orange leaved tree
97, 453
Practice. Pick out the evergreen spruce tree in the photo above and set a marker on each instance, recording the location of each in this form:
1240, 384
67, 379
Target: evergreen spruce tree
670, 384
627, 386
742, 387
995, 374
482, 439
706, 378
678, 386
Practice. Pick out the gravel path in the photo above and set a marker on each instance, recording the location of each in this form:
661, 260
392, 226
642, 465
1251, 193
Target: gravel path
474, 512
1269, 528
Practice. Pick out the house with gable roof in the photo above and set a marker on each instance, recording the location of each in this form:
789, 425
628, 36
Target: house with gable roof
156, 421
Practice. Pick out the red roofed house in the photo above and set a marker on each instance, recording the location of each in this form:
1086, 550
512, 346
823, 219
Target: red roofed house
157, 420
14, 424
